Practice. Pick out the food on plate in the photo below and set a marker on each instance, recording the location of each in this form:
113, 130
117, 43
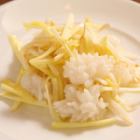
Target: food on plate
76, 72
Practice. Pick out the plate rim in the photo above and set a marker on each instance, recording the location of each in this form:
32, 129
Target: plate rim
5, 5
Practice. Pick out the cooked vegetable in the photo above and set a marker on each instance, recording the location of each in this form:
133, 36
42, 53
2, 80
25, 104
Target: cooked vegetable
100, 123
75, 72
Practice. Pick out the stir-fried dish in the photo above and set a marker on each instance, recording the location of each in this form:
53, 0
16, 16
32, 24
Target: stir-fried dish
76, 72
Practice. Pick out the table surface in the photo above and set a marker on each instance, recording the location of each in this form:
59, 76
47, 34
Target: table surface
4, 1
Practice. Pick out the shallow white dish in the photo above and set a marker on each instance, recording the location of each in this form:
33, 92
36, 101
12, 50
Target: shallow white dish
31, 123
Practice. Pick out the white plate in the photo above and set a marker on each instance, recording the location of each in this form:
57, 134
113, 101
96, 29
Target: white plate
31, 123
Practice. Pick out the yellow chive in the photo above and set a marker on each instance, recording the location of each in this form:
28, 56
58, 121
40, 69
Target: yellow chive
100, 123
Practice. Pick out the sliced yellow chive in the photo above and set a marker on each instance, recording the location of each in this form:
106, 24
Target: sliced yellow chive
10, 96
16, 89
100, 123
122, 89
